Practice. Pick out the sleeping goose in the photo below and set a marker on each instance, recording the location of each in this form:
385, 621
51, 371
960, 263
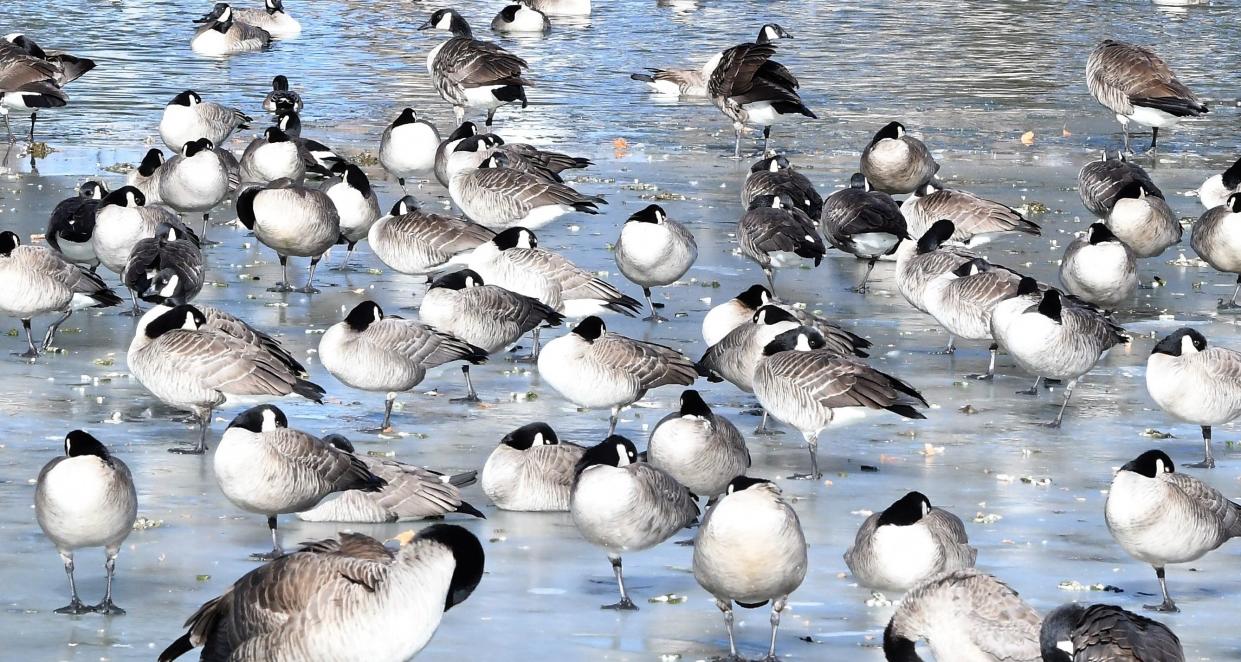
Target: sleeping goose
1144, 221
501, 197
775, 174
473, 152
895, 162
408, 145
1216, 190
531, 469
1195, 383
281, 97
520, 19
156, 260
187, 117
863, 222
72, 223
417, 242
1076, 631
1099, 183
722, 319
123, 218
751, 88
963, 299
735, 356
1100, 269
271, 156
692, 83
774, 234
317, 159
918, 262
469, 73
448, 147
223, 34
1135, 84
356, 204
653, 251
147, 176
196, 180
976, 220
294, 221
907, 543
272, 18
1216, 239
560, 7
702, 450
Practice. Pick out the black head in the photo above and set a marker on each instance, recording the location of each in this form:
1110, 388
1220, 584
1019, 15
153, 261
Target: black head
1181, 341
274, 6
355, 178
906, 510
447, 20
339, 442
471, 144
741, 483
28, 45
770, 164
274, 135
764, 201
771, 32
289, 121
467, 551
858, 181
1055, 638
245, 206
364, 315
1050, 306
151, 162
890, 131
8, 241
458, 280
801, 339
186, 98
936, 235
496, 160
515, 237
897, 647
771, 314
404, 206
1232, 176
692, 404
754, 297
974, 266
1234, 203
466, 130
590, 328
263, 418
1150, 464
180, 317
1027, 286
509, 13
167, 288
530, 435
280, 83
80, 442
221, 12
93, 190
407, 116
615, 451
1132, 190
193, 147
1099, 233
650, 214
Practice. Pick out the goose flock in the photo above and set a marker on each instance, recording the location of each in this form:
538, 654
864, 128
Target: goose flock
484, 281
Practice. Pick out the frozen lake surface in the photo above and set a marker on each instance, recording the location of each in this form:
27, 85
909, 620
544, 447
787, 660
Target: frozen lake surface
969, 78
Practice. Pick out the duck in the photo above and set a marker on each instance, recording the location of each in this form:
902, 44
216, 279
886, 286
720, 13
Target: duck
1144, 222
292, 220
751, 88
187, 117
722, 319
196, 180
897, 163
907, 543
976, 221
775, 174
1100, 269
72, 223
282, 98
368, 603
1139, 87
560, 7
653, 251
702, 450
373, 352
499, 197
623, 505
531, 470
408, 146
156, 260
469, 73
595, 368
222, 34
751, 521
1217, 188
774, 234
273, 18
692, 83
520, 19
417, 242
1195, 383
356, 204
1105, 632
1100, 183
272, 156
863, 222
963, 300
1215, 240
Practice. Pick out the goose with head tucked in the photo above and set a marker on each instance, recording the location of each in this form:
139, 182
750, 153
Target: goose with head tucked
122, 219
1216, 238
413, 241
722, 319
653, 251
271, 156
963, 299
1139, 87
776, 234
907, 543
531, 470
356, 204
72, 223
448, 147
223, 33
863, 222
272, 17
735, 356
976, 221
1144, 221
292, 220
520, 19
148, 175
1195, 383
1076, 631
1218, 188
500, 197
470, 73
751, 88
776, 174
318, 159
895, 162
1099, 268
408, 146
920, 261
1100, 183
282, 97
702, 450
187, 117
156, 260
196, 180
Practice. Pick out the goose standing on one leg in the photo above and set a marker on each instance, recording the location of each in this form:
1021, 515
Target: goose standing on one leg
701, 450
907, 543
469, 73
1195, 383
356, 204
1100, 269
1136, 85
653, 251
919, 262
895, 162
774, 233
751, 88
416, 242
408, 146
1216, 238
863, 222
294, 221
1106, 632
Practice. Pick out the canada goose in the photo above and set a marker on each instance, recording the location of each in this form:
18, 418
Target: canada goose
1160, 516
155, 260
774, 233
30, 97
1215, 238
750, 550
281, 97
470, 73
271, 156
535, 158
736, 355
356, 204
976, 220
751, 88
500, 197
86, 498
187, 117
802, 384
147, 176
474, 152
595, 368
122, 219
1216, 190
1144, 221
31, 78
1053, 337
346, 599
520, 18
447, 147
722, 319
72, 223
293, 221
62, 68
907, 543
775, 174
486, 316
692, 83
1076, 631
1136, 85
1100, 269
560, 7
623, 505
964, 615
963, 299
408, 146
895, 162
1100, 183
531, 470
317, 159
412, 241
1195, 383
863, 222
223, 34
918, 262
371, 352
654, 250
272, 18
191, 366
196, 180
701, 450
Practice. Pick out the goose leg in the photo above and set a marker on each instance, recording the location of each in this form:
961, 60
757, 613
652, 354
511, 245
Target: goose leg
1208, 460
31, 352
950, 349
771, 278
612, 422
727, 609
534, 351
1167, 605
469, 385
491, 114
737, 128
276, 551
994, 349
75, 605
388, 402
625, 603
135, 310
12, 138
762, 430
344, 266
776, 608
1154, 139
107, 607
766, 137
1232, 303
51, 330
1033, 390
812, 443
202, 239
1124, 130
284, 285
1068, 393
459, 111
310, 278
655, 317
401, 181
861, 288
204, 423
34, 115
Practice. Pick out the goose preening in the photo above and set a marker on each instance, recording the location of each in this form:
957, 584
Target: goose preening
32, 79
372, 352
750, 550
282, 98
292, 220
193, 366
722, 319
271, 156
1159, 516
801, 383
222, 33
1139, 87
155, 261
1217, 189
318, 159
348, 599
919, 262
473, 152
963, 299
1144, 221
486, 316
408, 145
1076, 631
692, 83
531, 469
272, 17
623, 505
653, 251
417, 242
72, 223
122, 219
702, 450
895, 162
196, 180
1100, 269
597, 369
62, 68
907, 543
774, 175
560, 7
1100, 183
500, 197
1216, 238
776, 234
964, 615
521, 18
975, 220
1195, 383
187, 117
863, 222
86, 498
470, 73
356, 204
751, 88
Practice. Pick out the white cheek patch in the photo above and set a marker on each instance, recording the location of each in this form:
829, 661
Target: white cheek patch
623, 456
926, 508
1159, 468
538, 439
803, 343
190, 324
269, 420
1066, 646
775, 166
378, 315
445, 23
1187, 345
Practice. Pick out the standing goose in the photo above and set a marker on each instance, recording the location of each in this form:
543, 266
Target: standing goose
1216, 238
1076, 631
156, 260
32, 79
187, 117
37, 281
962, 301
774, 233
448, 147
412, 241
520, 18
653, 251
408, 146
908, 543
722, 319
371, 352
281, 98
1159, 516
918, 262
701, 450
750, 550
223, 34
348, 599
531, 470
190, 366
1217, 189
317, 159
560, 7
1136, 85
692, 83
751, 88
147, 176
30, 97
271, 156
1100, 269
86, 498
1195, 383
774, 175
72, 223
736, 355
469, 73
802, 384
294, 221
500, 197
486, 316
272, 18
623, 505
597, 369
1144, 221
964, 615
895, 162
196, 180
356, 204
1100, 183
976, 220
863, 222
65, 68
